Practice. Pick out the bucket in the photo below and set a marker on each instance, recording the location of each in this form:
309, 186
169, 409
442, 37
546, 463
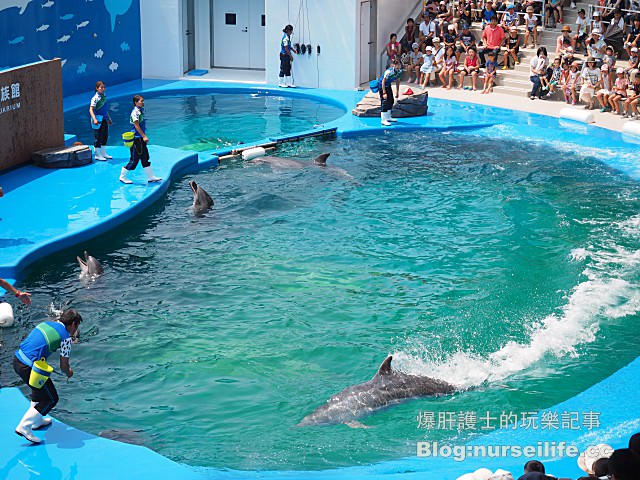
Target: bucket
93, 125
40, 373
127, 138
373, 85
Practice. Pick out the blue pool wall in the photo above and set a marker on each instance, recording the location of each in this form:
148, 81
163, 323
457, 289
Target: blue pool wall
71, 453
96, 40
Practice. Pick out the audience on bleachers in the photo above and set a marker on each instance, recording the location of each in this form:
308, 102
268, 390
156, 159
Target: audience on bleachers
439, 47
598, 462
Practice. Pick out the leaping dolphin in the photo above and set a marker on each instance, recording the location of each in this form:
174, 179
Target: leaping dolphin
201, 199
387, 387
89, 267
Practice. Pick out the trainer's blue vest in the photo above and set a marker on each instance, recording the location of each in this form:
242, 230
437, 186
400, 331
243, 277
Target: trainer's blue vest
42, 342
390, 75
141, 121
101, 106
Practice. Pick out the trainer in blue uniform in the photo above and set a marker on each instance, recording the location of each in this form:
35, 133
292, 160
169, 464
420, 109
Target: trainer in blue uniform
386, 93
45, 339
100, 121
286, 57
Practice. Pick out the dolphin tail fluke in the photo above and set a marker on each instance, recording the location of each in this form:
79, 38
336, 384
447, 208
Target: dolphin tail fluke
321, 159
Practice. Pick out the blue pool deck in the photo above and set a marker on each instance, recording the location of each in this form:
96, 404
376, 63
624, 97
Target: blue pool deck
45, 211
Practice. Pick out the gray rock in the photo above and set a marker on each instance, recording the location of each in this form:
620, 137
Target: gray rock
404, 106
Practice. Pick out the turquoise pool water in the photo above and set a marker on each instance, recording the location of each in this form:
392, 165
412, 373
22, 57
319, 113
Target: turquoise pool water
209, 121
509, 270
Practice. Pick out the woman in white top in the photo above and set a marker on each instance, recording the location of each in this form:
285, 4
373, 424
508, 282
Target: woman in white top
537, 67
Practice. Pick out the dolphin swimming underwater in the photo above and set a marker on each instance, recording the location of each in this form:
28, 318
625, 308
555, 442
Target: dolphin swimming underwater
201, 199
387, 387
278, 162
89, 267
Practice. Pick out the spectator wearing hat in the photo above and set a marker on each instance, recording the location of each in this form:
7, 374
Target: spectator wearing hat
571, 84
609, 56
568, 58
450, 38
595, 461
565, 40
415, 62
632, 65
624, 465
492, 39
591, 82
509, 18
444, 19
531, 27
632, 35
607, 88
596, 47
595, 25
427, 67
619, 91
582, 30
464, 41
438, 54
512, 45
410, 32
554, 13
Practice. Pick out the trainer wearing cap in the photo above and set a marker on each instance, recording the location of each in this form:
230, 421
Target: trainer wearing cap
44, 339
565, 40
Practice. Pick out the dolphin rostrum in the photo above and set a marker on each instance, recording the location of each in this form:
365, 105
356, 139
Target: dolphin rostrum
201, 199
89, 266
387, 387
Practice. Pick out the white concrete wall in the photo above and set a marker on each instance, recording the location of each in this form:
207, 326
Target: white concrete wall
161, 38
333, 25
392, 17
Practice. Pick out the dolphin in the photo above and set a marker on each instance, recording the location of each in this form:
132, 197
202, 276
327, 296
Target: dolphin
201, 199
90, 267
277, 162
387, 387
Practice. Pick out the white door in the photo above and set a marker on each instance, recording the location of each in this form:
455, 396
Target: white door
365, 41
231, 33
256, 34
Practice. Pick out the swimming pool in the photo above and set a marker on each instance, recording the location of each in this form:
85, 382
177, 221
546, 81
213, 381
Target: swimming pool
300, 282
202, 121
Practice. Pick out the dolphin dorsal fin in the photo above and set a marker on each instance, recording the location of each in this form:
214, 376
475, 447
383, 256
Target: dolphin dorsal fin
321, 159
385, 368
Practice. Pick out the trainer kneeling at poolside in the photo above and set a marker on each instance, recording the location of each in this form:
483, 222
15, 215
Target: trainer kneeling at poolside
386, 93
45, 339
